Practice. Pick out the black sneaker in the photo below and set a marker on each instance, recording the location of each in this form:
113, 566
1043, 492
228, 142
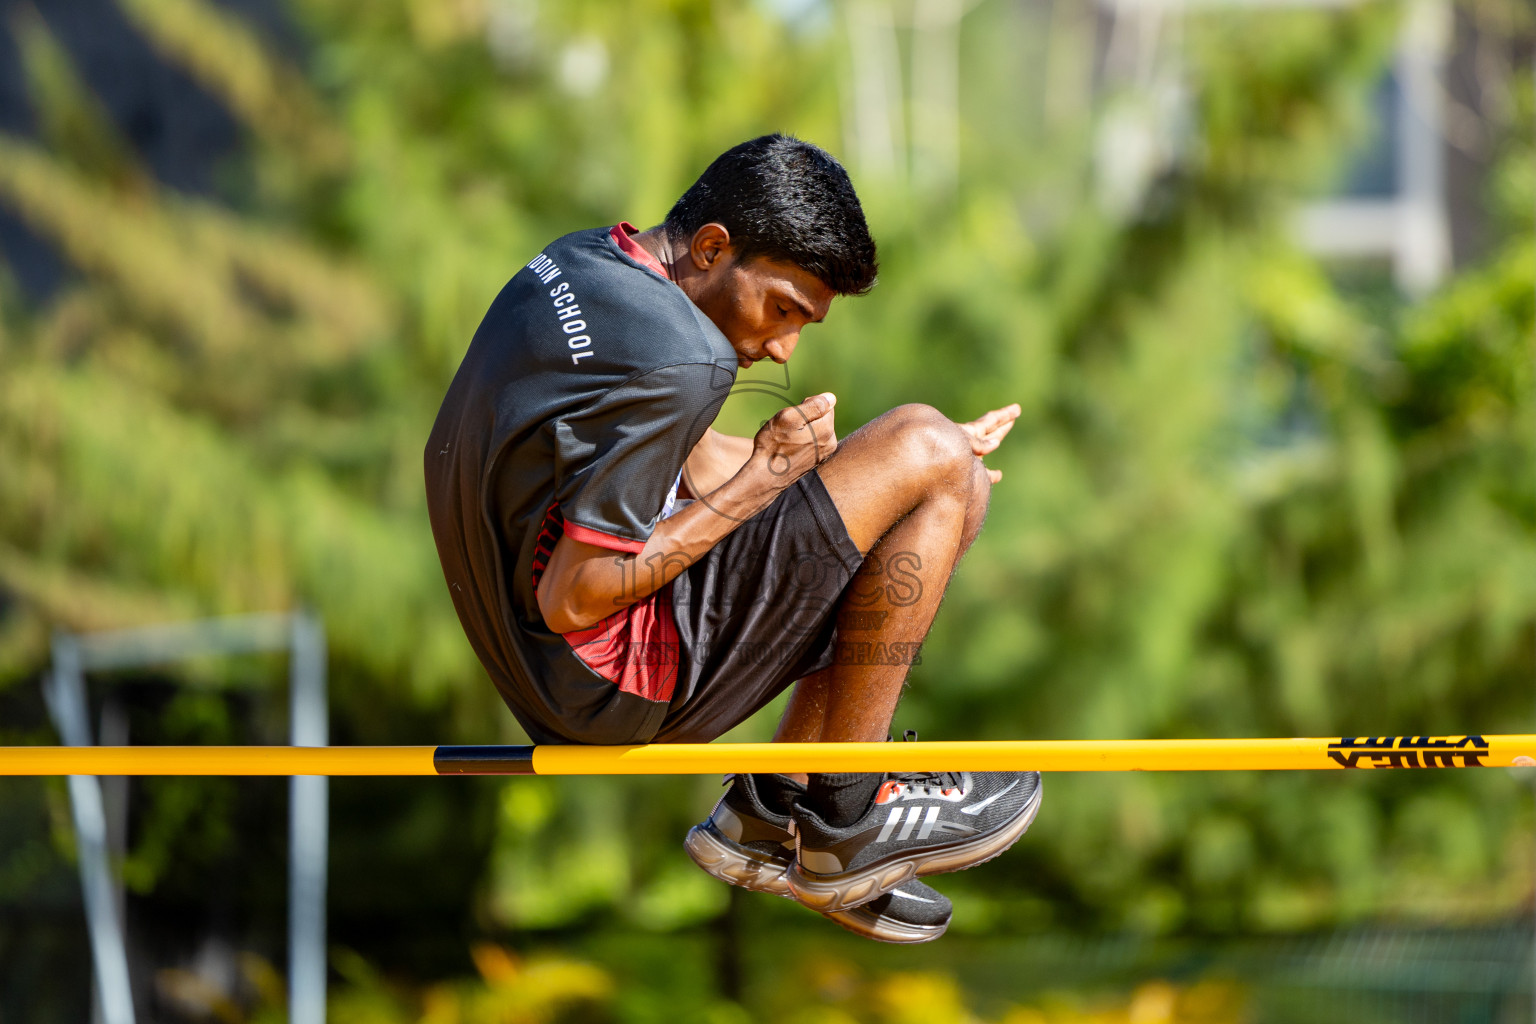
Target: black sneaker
917, 824
744, 843
912, 912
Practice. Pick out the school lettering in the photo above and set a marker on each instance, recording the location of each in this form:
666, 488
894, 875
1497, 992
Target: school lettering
544, 267
567, 308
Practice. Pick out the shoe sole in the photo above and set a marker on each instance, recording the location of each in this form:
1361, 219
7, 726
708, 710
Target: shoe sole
831, 894
871, 926
736, 865
741, 867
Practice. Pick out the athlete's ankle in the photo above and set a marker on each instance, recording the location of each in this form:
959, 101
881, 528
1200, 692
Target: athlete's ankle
841, 798
777, 792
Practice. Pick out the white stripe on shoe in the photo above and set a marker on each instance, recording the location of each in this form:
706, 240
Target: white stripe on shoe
982, 805
890, 825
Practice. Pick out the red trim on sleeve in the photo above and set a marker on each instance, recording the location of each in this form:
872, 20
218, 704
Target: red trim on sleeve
597, 538
621, 233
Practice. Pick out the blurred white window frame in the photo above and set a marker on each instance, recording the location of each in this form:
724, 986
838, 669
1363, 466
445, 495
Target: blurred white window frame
1410, 229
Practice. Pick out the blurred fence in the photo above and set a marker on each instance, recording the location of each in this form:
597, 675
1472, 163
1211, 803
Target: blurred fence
1468, 977
1378, 975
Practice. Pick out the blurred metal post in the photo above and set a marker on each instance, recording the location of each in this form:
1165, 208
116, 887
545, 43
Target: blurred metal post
936, 94
64, 692
1423, 255
308, 823
875, 100
303, 637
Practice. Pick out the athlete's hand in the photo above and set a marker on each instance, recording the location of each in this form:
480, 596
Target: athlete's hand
798, 438
988, 432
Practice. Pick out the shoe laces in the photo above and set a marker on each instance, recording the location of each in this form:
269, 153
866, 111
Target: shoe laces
926, 781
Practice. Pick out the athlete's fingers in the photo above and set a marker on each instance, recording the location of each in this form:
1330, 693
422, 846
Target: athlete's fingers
994, 475
826, 437
823, 430
999, 419
1001, 430
992, 422
988, 431
817, 406
995, 436
985, 444
801, 435
795, 418
987, 423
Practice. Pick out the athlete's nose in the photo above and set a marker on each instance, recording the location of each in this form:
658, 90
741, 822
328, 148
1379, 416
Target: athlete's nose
781, 347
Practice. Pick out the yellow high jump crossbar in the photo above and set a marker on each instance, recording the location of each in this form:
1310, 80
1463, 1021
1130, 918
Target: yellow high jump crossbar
721, 758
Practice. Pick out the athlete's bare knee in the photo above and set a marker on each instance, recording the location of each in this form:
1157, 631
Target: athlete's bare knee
931, 443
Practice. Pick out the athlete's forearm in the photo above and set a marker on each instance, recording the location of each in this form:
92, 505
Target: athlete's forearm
714, 460
584, 584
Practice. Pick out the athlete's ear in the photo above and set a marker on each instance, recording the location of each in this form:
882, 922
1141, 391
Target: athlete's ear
710, 246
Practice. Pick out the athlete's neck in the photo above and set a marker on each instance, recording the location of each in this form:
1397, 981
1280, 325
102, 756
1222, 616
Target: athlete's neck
656, 242
675, 259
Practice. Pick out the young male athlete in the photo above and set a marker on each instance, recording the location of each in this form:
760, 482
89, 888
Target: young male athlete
629, 575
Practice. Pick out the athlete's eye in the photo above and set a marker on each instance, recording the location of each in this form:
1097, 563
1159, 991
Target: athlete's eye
783, 311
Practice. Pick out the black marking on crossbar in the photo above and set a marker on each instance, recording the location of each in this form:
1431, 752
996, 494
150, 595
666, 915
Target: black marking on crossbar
503, 760
1409, 751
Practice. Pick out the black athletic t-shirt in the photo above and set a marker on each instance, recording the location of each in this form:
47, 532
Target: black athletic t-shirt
587, 384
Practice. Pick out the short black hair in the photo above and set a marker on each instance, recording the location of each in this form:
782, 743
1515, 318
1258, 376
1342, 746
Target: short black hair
785, 200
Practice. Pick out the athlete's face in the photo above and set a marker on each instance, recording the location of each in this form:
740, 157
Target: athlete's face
759, 305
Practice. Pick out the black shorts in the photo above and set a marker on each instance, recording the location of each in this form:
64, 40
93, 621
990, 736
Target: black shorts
758, 612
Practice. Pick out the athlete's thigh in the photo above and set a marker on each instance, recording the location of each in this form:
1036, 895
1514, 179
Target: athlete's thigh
758, 611
879, 472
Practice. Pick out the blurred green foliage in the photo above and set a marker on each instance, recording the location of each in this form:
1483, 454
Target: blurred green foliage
509, 989
1245, 498
822, 991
